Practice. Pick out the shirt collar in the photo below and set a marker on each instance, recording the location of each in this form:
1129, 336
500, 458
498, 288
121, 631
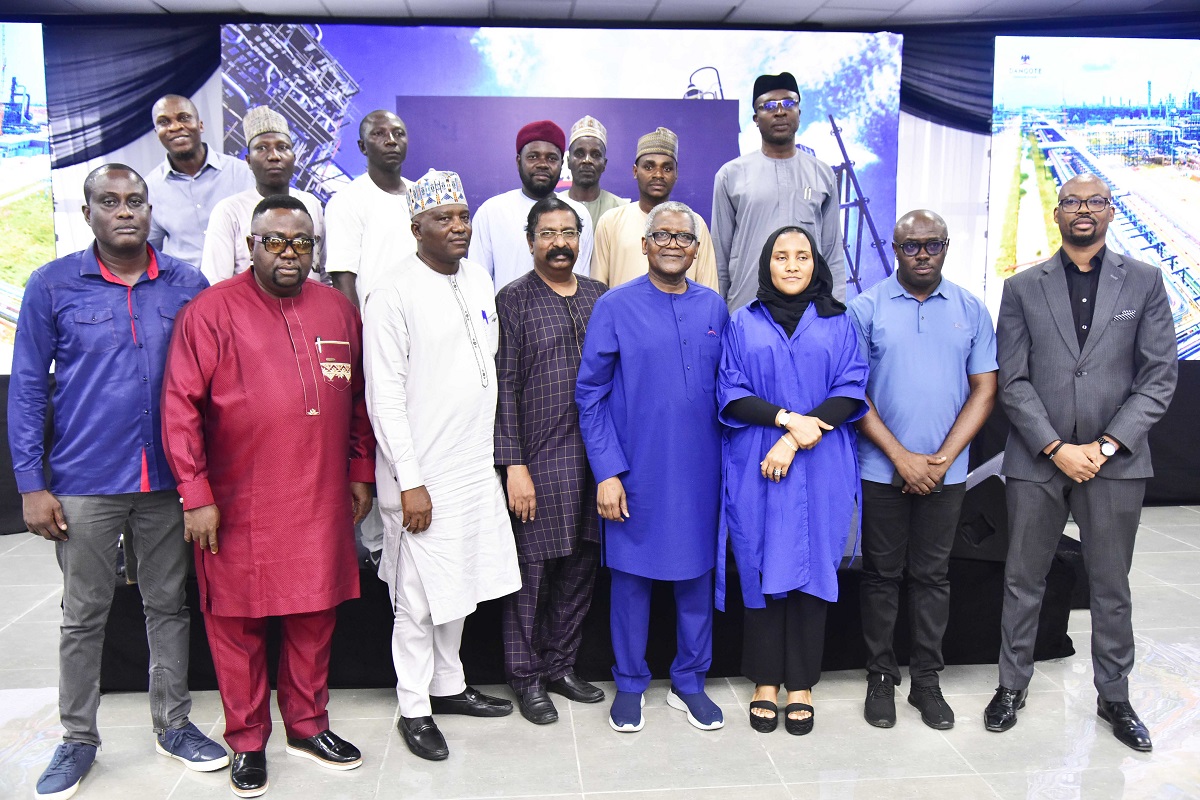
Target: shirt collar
896, 289
211, 159
94, 266
1096, 262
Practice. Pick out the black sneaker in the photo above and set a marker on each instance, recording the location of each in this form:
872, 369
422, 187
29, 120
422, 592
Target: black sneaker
935, 711
880, 708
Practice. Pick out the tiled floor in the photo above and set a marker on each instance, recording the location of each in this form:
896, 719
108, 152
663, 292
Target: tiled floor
1058, 750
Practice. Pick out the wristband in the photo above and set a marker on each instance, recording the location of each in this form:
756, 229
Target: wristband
786, 439
1054, 452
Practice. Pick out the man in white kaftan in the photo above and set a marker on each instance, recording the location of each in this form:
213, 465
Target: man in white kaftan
430, 342
498, 241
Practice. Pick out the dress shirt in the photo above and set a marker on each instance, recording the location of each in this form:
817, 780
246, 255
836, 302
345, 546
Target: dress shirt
108, 343
1081, 287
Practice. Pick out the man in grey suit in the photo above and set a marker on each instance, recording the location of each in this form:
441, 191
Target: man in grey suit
1088, 363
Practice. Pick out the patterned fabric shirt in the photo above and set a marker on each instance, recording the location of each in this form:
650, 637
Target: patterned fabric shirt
537, 423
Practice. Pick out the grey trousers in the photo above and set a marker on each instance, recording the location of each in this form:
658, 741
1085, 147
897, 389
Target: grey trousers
89, 565
1107, 512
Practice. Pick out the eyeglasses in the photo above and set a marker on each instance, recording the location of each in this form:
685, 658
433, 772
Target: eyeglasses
570, 234
664, 238
911, 248
1095, 203
301, 245
773, 105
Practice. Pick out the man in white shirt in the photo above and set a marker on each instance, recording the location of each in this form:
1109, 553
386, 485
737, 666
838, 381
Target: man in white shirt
498, 241
367, 221
273, 163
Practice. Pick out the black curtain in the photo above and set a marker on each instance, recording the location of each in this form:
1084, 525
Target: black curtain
102, 79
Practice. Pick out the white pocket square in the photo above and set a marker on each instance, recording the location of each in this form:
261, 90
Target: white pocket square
1126, 315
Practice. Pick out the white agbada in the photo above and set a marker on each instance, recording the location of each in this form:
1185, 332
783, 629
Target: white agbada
225, 250
429, 350
498, 242
367, 233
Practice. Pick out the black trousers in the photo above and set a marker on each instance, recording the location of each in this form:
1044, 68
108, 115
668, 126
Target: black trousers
913, 534
784, 642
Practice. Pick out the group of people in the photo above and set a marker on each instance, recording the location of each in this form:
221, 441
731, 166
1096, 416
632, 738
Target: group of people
555, 382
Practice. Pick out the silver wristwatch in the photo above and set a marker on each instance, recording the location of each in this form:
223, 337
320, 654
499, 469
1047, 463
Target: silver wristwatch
1108, 449
782, 418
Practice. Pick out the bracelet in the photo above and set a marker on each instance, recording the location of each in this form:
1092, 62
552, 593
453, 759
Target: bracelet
1054, 452
795, 447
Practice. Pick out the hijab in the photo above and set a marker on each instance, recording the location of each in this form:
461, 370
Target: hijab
785, 309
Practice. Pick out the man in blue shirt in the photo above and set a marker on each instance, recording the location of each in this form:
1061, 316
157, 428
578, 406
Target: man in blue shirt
186, 186
931, 350
103, 317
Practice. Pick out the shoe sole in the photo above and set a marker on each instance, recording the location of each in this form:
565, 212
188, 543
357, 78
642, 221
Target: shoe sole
676, 702
259, 792
629, 727
63, 795
880, 723
340, 766
194, 766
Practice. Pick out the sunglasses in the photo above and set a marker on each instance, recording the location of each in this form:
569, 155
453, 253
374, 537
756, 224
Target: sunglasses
911, 248
301, 245
772, 105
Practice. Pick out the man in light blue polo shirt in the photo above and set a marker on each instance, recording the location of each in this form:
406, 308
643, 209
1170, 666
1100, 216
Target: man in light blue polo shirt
932, 354
193, 178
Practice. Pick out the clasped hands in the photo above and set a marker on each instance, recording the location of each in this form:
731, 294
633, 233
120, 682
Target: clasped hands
803, 433
1080, 462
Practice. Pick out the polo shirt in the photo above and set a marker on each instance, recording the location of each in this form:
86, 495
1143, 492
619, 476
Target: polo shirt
919, 356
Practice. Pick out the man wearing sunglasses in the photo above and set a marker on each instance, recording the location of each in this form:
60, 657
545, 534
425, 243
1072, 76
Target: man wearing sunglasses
266, 429
932, 356
272, 160
1088, 363
774, 186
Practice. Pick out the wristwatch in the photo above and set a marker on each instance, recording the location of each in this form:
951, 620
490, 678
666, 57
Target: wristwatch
1108, 449
781, 419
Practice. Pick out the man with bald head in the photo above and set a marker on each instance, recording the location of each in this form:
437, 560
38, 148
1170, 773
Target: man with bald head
1088, 363
932, 356
103, 317
367, 223
190, 182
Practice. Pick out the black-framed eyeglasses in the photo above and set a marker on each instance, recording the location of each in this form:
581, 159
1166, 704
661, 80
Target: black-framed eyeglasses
772, 105
664, 238
301, 245
570, 234
1095, 204
911, 248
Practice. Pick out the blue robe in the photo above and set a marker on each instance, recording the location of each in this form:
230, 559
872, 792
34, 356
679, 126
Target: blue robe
790, 535
648, 410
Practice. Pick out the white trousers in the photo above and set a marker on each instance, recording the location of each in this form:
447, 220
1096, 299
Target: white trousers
425, 655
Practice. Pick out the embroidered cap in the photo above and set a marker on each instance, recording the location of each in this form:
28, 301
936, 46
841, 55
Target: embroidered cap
435, 188
260, 120
589, 126
662, 141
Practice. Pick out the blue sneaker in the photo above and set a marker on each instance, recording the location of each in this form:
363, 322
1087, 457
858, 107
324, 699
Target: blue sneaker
71, 762
626, 714
197, 752
702, 712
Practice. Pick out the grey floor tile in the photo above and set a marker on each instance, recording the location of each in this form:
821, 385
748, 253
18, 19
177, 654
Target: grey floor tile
1139, 578
1153, 516
668, 753
19, 602
779, 792
26, 678
1150, 540
969, 787
1164, 607
35, 569
1169, 567
29, 645
1136, 779
132, 710
11, 541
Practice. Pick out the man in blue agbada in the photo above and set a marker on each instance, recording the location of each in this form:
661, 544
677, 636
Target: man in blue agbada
791, 380
647, 406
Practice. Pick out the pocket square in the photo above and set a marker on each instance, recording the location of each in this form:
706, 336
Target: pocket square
1126, 315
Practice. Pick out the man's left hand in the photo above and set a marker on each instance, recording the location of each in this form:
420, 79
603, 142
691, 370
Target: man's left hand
1092, 451
360, 500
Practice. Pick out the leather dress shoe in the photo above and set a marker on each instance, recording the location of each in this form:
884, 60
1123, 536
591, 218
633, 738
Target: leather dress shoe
537, 707
575, 688
1126, 726
248, 774
327, 749
1001, 713
423, 738
471, 703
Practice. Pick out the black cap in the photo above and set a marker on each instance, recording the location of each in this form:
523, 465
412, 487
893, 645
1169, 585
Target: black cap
769, 83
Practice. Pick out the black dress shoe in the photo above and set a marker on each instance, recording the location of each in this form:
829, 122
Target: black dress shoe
537, 707
423, 738
1126, 726
471, 703
573, 687
248, 774
327, 749
1001, 713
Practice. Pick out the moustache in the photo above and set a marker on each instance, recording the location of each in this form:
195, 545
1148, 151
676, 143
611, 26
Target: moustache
555, 252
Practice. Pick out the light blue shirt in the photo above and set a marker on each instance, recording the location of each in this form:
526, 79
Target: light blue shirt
182, 203
919, 356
